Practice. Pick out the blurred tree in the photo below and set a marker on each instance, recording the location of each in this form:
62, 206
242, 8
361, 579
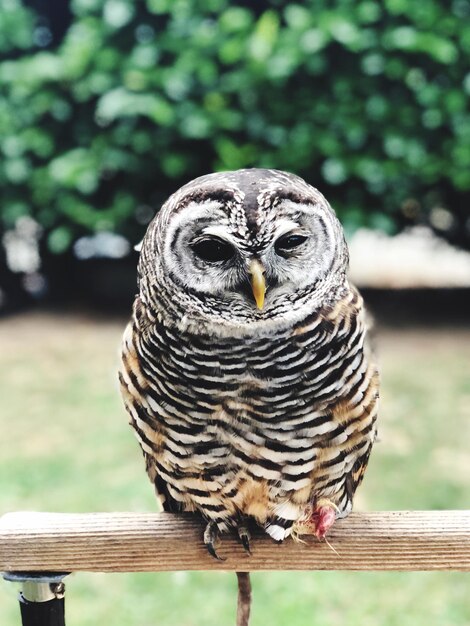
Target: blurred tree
367, 100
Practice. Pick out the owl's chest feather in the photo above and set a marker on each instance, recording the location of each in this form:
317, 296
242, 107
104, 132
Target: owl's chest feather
264, 400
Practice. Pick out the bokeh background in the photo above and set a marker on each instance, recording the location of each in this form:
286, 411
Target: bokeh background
106, 107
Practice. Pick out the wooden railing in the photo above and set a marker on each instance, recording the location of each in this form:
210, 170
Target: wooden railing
31, 543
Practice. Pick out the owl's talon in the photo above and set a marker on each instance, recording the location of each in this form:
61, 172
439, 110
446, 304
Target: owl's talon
246, 543
213, 552
245, 537
211, 534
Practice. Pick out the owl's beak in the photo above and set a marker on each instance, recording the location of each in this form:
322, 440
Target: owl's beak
258, 282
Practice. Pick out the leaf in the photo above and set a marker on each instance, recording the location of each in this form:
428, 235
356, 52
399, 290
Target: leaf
59, 239
122, 103
264, 36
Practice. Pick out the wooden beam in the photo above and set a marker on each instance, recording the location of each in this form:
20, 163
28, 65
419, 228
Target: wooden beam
137, 542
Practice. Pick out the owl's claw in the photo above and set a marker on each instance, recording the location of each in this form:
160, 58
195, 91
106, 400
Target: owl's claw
211, 534
245, 537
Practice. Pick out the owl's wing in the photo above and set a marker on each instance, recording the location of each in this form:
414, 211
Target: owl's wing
354, 381
134, 386
343, 460
356, 416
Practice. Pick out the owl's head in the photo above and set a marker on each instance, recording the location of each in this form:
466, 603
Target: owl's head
241, 247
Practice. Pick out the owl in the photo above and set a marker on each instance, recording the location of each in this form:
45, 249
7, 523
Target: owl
246, 370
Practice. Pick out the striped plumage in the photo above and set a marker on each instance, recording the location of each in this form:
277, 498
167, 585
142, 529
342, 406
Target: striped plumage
242, 412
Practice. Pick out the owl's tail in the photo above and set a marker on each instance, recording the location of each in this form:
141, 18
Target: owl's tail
244, 598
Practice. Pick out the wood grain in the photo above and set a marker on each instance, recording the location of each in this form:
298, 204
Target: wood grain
137, 542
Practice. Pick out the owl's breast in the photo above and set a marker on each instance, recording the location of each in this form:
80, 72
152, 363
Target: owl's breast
256, 426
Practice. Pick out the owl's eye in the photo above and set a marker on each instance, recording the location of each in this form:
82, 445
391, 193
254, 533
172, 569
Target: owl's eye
213, 249
286, 243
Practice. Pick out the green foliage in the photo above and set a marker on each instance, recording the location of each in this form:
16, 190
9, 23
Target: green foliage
366, 100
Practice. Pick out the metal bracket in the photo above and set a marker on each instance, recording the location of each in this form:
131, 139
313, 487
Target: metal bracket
41, 598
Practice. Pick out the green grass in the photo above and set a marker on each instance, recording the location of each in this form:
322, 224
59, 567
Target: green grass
66, 446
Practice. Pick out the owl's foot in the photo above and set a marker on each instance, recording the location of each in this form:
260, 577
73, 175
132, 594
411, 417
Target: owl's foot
244, 536
323, 517
211, 534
